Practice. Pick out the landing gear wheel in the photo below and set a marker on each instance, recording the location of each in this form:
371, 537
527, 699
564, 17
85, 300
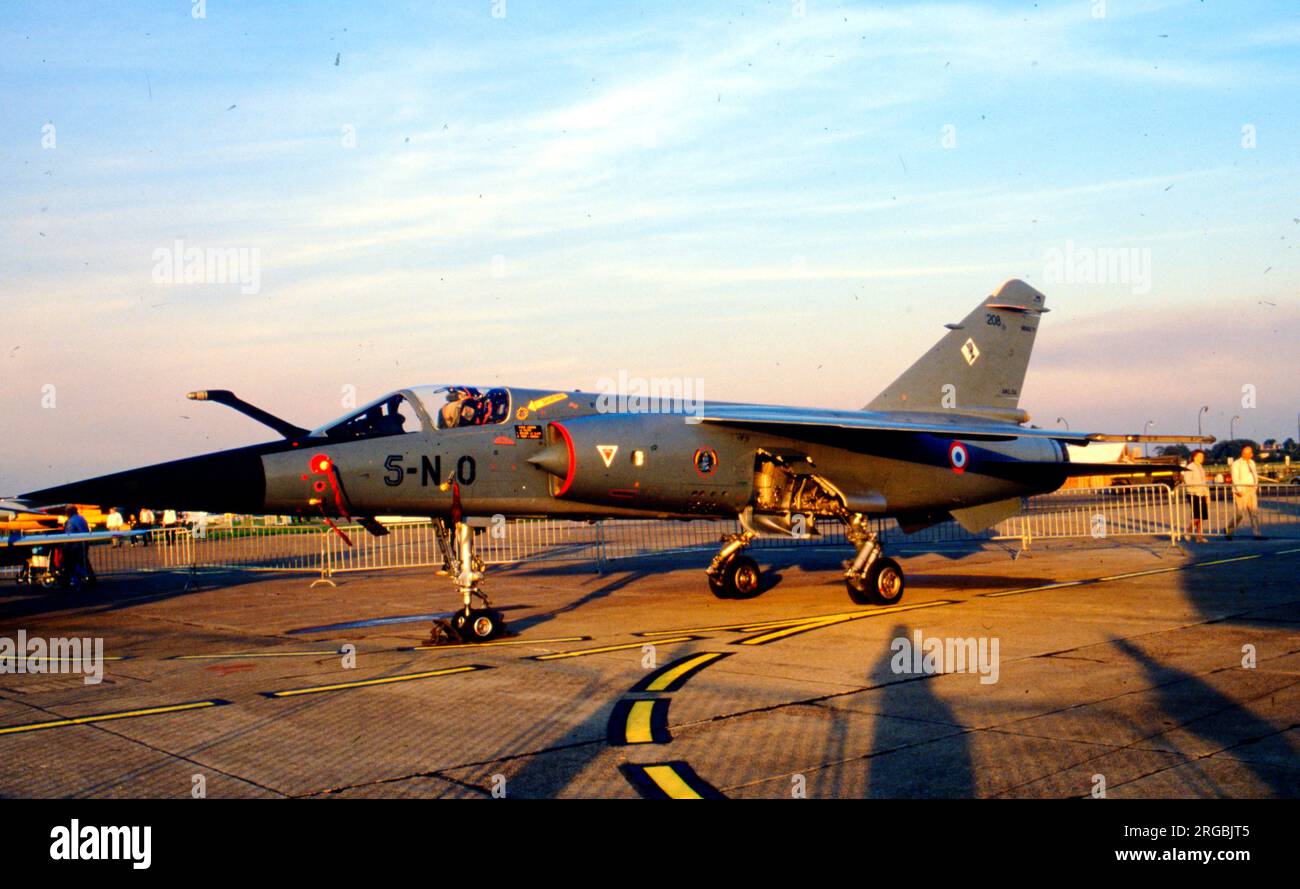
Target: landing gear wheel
478, 624
740, 578
718, 587
882, 585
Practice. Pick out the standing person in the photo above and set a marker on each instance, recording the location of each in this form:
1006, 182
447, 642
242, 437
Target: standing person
146, 522
1245, 492
1198, 492
113, 522
168, 524
76, 562
75, 522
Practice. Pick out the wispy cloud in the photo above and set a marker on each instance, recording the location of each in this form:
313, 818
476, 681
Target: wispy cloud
550, 195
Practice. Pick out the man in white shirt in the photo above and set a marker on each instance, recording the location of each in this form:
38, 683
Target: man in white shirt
113, 522
1245, 492
145, 522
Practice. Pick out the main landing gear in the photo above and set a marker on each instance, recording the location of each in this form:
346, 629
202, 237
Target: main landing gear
871, 578
470, 624
731, 574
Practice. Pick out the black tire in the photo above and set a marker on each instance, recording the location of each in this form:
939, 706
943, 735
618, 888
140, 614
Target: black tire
719, 587
858, 591
882, 585
479, 625
742, 578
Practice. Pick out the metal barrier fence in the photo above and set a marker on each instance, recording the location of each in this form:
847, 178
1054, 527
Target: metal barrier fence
1082, 513
1117, 511
1279, 511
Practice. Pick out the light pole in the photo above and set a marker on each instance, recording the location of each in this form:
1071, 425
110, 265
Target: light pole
1145, 430
1061, 420
1232, 427
1200, 414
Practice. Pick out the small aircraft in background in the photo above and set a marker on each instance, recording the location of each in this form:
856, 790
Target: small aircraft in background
51, 557
946, 440
19, 517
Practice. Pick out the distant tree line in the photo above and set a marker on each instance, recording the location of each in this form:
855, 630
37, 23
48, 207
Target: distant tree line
1268, 451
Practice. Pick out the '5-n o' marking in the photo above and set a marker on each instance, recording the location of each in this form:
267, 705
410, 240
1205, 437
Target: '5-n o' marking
958, 457
430, 470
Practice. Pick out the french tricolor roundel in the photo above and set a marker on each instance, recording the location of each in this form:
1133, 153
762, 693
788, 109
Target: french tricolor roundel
958, 457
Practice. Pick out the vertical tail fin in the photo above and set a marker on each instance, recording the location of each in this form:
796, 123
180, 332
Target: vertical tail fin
979, 365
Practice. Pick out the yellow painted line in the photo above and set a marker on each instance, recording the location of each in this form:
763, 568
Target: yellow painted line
755, 625
1035, 589
582, 652
638, 723
502, 642
744, 626
1140, 573
1111, 577
1226, 561
105, 717
253, 654
668, 678
364, 683
774, 624
764, 638
670, 782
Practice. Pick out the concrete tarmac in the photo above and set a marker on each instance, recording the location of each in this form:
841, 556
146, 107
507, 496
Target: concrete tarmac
1136, 669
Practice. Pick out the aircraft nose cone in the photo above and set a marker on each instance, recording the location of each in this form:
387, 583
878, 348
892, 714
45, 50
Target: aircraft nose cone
226, 481
554, 459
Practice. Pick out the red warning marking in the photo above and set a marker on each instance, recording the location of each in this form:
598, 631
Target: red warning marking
227, 669
568, 443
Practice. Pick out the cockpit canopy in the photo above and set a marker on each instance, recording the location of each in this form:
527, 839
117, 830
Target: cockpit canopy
419, 408
452, 406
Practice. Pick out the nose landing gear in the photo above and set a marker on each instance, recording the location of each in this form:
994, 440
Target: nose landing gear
470, 624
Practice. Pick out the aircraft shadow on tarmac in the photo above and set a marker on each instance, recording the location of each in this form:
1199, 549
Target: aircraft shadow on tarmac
612, 585
824, 564
1198, 708
1189, 702
113, 593
890, 772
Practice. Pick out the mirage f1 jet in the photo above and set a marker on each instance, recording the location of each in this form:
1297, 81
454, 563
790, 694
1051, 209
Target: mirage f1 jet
946, 440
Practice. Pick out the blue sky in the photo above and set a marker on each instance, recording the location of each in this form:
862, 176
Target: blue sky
784, 202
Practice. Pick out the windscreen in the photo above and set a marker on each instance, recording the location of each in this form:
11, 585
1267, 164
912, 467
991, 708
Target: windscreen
391, 415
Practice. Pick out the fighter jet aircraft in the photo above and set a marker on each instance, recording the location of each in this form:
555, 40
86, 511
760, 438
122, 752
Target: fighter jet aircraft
946, 440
